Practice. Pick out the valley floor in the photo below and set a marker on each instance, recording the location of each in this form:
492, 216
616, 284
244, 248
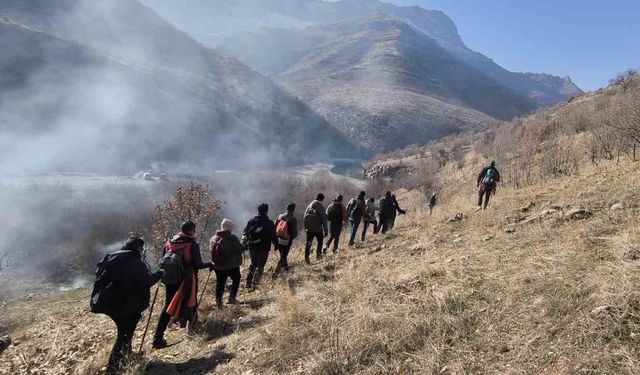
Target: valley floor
531, 286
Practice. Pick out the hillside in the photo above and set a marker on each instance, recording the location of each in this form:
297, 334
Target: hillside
380, 81
551, 295
210, 22
87, 76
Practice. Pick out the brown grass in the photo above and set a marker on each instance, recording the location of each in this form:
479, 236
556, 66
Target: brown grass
432, 297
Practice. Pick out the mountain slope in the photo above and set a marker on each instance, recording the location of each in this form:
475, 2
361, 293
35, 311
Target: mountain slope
112, 87
379, 80
210, 22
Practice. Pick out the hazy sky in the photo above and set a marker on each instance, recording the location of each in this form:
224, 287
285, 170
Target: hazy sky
589, 40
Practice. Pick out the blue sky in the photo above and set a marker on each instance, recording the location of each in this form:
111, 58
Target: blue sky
589, 40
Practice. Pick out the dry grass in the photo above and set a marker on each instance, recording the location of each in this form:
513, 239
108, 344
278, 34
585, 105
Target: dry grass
432, 297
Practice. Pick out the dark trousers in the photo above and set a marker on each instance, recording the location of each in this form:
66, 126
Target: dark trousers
256, 268
310, 236
385, 224
221, 282
282, 262
335, 230
355, 224
170, 292
365, 227
486, 193
122, 348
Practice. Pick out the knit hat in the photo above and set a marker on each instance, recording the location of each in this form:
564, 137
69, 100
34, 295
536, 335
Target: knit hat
226, 225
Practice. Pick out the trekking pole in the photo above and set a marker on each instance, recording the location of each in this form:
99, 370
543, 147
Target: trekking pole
203, 289
146, 328
195, 314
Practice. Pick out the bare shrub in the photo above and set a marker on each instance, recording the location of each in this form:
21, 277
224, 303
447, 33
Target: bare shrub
192, 203
625, 80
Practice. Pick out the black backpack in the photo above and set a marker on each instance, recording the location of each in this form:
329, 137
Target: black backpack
173, 266
106, 296
256, 233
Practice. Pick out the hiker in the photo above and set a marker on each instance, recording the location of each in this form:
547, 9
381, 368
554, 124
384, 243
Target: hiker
487, 184
387, 210
5, 342
356, 211
129, 295
181, 260
432, 203
396, 210
259, 234
315, 225
287, 231
369, 217
336, 215
226, 254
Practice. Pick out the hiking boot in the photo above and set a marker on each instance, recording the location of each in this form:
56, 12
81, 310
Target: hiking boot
159, 343
352, 243
307, 260
219, 303
232, 301
324, 250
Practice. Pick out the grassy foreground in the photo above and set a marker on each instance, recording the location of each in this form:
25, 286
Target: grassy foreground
518, 289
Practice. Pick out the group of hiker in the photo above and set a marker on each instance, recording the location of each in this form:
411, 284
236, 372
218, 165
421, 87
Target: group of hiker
123, 280
123, 283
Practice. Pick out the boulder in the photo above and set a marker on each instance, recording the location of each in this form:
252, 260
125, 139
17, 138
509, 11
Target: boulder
528, 207
632, 253
458, 217
617, 207
578, 214
602, 312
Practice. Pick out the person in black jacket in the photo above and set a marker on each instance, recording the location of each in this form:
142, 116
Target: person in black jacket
259, 234
135, 281
487, 183
432, 203
183, 241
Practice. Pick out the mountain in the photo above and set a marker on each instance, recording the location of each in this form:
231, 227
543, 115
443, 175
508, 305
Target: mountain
379, 80
213, 21
111, 86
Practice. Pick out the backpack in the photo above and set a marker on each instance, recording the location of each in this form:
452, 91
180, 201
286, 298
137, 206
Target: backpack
355, 209
256, 234
174, 268
282, 230
311, 219
218, 255
106, 296
335, 213
489, 176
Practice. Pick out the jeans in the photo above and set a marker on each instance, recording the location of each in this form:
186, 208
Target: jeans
122, 348
366, 227
258, 261
355, 224
221, 282
310, 236
282, 262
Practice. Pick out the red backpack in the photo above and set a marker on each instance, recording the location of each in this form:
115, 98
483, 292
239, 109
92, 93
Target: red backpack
282, 230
